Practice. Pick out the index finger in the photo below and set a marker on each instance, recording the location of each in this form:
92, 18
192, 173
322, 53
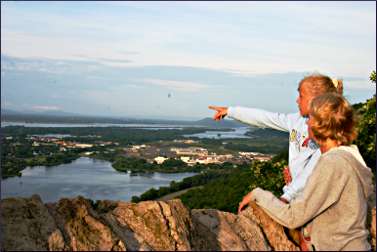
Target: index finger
213, 107
240, 207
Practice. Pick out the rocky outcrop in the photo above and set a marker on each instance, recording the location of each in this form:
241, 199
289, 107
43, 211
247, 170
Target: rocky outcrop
221, 231
81, 224
82, 227
26, 224
274, 232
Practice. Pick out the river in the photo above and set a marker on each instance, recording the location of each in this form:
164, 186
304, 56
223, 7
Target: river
90, 178
236, 133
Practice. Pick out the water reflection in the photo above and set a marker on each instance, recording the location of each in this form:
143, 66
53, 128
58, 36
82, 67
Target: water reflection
94, 179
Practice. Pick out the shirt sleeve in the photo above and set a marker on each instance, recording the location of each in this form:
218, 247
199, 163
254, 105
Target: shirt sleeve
260, 118
323, 189
297, 185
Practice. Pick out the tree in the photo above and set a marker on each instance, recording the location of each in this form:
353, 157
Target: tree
373, 76
366, 140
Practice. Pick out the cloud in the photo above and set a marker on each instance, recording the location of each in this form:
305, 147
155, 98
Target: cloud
108, 60
102, 60
47, 65
127, 53
45, 108
60, 65
183, 86
93, 88
336, 37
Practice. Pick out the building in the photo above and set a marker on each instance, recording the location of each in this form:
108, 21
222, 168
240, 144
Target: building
138, 147
190, 151
80, 145
105, 143
249, 153
255, 155
262, 158
185, 159
188, 141
159, 159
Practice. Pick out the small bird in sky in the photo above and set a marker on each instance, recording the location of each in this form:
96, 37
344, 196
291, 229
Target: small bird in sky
169, 95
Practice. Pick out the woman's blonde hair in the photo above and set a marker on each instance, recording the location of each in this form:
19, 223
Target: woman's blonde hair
332, 117
321, 84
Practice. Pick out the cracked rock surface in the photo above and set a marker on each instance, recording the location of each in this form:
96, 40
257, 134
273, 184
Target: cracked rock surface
79, 224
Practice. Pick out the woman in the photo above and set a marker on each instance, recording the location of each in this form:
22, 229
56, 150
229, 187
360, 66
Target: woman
333, 205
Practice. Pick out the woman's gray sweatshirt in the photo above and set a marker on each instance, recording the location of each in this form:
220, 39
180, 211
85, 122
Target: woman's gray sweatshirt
334, 203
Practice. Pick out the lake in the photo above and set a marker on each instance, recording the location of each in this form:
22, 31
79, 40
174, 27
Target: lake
91, 178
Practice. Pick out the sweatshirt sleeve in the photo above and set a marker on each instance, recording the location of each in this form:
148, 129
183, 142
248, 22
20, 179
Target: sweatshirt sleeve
260, 118
297, 185
323, 189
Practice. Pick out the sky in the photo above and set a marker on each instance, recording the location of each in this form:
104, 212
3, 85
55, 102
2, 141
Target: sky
171, 60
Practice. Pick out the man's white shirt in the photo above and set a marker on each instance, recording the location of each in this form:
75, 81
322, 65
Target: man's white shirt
302, 158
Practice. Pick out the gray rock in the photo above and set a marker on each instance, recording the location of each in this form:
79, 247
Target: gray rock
80, 224
27, 225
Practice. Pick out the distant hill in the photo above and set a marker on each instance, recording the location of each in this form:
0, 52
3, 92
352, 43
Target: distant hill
209, 122
9, 112
67, 117
30, 112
